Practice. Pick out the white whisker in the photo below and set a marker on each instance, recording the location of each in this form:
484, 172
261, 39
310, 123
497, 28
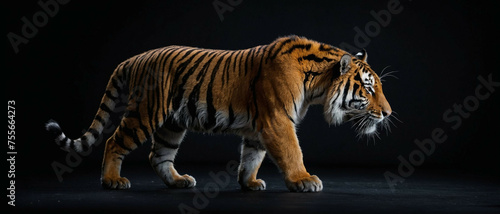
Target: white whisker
388, 74
382, 72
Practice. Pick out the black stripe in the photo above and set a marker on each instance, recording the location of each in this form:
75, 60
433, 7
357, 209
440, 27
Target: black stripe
249, 56
312, 57
154, 107
135, 63
326, 48
337, 95
133, 70
165, 143
295, 106
195, 66
146, 132
344, 96
72, 144
231, 116
142, 68
357, 77
176, 103
225, 70
238, 53
119, 71
171, 72
149, 58
270, 49
105, 108
85, 144
253, 144
155, 100
252, 88
355, 87
124, 72
193, 98
195, 92
165, 55
172, 126
241, 60
63, 140
131, 133
157, 164
281, 46
248, 113
298, 46
163, 69
83, 139
307, 75
204, 69
210, 106
99, 119
335, 72
94, 133
116, 85
108, 94
144, 129
254, 54
133, 114
182, 67
152, 60
119, 141
288, 115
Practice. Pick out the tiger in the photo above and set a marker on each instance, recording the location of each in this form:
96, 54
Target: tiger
260, 93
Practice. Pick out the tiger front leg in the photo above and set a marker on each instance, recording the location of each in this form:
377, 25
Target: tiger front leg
252, 154
280, 141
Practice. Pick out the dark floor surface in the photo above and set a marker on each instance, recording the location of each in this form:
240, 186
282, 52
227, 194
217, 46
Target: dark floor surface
352, 190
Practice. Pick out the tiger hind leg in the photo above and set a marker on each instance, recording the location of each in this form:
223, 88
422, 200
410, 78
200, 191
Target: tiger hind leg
126, 138
165, 144
111, 166
252, 154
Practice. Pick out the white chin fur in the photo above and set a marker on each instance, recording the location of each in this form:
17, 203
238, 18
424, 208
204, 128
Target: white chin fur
334, 115
370, 129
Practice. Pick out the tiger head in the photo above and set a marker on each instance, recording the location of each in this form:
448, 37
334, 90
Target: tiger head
357, 96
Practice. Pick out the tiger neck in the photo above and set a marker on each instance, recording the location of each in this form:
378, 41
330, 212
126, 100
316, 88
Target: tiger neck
316, 83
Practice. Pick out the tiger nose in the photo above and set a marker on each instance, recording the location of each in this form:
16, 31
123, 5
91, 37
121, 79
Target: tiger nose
386, 112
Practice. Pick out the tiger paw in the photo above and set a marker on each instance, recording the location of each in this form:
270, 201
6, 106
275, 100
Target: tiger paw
184, 181
115, 183
307, 184
255, 185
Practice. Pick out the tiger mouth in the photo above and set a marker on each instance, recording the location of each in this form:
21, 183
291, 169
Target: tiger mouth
367, 124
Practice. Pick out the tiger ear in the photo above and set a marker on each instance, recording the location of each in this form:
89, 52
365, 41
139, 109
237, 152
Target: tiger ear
362, 55
345, 62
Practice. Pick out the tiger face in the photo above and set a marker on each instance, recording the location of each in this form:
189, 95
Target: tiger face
358, 96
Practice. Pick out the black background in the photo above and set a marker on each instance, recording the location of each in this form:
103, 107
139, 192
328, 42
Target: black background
439, 48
